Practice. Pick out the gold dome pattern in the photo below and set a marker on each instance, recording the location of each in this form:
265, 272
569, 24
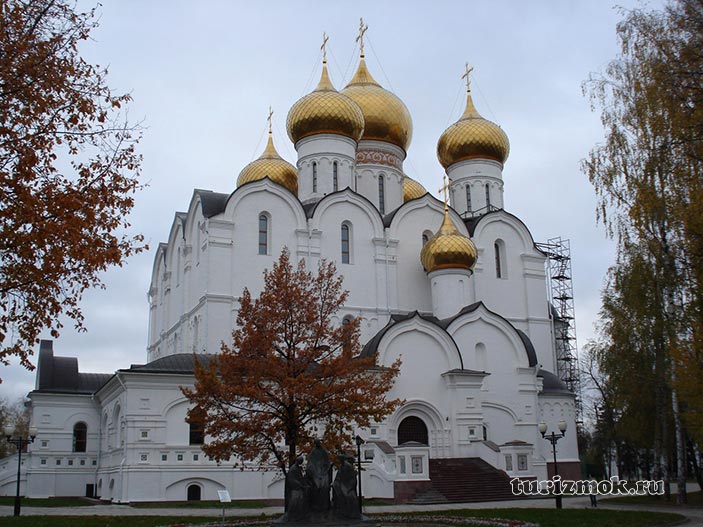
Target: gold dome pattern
325, 111
271, 165
472, 137
386, 118
448, 249
412, 189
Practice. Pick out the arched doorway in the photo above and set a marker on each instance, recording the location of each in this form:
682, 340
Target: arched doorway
412, 429
194, 492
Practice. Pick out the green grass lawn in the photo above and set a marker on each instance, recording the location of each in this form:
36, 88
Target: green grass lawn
47, 502
695, 499
545, 517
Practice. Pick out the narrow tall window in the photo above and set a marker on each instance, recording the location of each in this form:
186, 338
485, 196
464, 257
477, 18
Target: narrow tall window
314, 176
335, 177
499, 268
263, 234
381, 196
468, 198
345, 243
488, 195
80, 437
196, 435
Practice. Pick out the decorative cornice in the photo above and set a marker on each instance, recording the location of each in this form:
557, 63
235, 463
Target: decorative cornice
374, 157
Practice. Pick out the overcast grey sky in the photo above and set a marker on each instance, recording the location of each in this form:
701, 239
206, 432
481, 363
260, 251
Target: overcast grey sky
203, 75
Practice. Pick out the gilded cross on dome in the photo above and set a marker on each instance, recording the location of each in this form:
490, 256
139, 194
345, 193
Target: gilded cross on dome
445, 191
325, 38
466, 76
360, 39
270, 118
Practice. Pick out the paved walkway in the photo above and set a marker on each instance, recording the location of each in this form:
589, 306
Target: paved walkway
695, 515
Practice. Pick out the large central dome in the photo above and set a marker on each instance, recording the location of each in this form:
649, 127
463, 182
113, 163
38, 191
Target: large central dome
386, 118
325, 110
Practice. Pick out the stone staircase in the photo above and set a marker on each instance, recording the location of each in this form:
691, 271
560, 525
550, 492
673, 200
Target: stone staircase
464, 480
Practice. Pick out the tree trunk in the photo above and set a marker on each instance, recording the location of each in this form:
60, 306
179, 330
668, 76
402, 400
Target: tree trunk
682, 495
694, 462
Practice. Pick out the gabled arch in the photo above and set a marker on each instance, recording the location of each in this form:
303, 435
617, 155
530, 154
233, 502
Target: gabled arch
267, 186
501, 216
428, 200
347, 196
418, 323
479, 311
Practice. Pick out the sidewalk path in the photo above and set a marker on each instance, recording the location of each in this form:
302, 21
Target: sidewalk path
695, 515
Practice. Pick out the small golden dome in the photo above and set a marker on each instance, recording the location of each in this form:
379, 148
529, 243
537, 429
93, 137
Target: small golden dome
325, 111
412, 189
271, 165
472, 137
386, 118
448, 249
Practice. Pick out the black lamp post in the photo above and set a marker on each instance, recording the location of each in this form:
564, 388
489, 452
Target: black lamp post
553, 438
20, 442
359, 442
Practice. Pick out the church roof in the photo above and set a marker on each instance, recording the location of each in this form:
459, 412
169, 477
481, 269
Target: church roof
61, 375
371, 346
212, 203
552, 384
178, 363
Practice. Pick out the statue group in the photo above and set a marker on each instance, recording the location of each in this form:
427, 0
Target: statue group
312, 497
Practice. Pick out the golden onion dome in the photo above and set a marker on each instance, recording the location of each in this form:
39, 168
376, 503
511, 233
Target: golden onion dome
271, 165
325, 111
386, 118
412, 189
472, 137
448, 248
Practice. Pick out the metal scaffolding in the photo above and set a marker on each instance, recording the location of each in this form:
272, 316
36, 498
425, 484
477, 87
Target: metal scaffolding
561, 291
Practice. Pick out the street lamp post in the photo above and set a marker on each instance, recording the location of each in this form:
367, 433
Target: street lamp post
359, 442
20, 442
553, 438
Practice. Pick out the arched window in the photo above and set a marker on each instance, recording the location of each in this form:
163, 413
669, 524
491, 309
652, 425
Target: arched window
263, 234
196, 434
488, 195
412, 429
481, 359
381, 195
346, 244
117, 424
314, 176
335, 177
106, 436
468, 198
80, 437
193, 492
499, 250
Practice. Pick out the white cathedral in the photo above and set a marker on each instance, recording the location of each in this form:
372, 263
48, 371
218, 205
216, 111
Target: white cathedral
459, 292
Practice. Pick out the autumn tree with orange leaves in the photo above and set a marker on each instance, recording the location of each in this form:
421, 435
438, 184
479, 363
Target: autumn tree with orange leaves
68, 172
291, 373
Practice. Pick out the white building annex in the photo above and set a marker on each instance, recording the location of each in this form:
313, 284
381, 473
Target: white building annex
459, 292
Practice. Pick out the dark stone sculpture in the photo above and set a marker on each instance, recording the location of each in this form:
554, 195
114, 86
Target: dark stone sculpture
319, 474
307, 494
296, 493
346, 500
